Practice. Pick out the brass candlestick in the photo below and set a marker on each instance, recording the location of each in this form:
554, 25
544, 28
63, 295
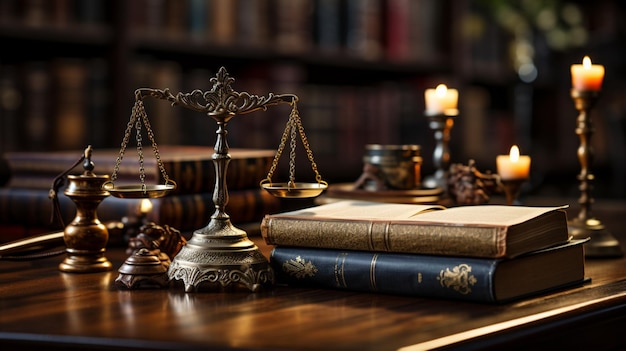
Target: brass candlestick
220, 255
441, 124
585, 225
512, 189
86, 237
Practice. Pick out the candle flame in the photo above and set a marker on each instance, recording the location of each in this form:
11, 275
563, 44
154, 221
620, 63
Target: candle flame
514, 154
441, 90
145, 206
586, 62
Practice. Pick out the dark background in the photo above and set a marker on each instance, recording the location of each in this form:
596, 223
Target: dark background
68, 70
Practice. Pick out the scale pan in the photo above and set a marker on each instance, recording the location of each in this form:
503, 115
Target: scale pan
137, 191
301, 190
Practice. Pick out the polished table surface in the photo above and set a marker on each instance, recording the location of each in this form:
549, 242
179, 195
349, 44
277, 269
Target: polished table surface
43, 307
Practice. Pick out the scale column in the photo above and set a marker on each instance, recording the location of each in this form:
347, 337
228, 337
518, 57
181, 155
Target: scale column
221, 256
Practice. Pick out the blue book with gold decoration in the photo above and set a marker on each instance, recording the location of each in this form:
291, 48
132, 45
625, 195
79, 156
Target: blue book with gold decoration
447, 277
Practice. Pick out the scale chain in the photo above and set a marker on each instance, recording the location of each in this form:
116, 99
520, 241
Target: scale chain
139, 115
279, 152
292, 129
142, 172
305, 142
292, 153
155, 149
129, 127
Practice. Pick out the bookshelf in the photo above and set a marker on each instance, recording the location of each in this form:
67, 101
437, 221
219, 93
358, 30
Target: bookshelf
359, 66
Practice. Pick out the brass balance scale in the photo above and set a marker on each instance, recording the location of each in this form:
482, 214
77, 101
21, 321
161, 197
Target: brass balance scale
218, 256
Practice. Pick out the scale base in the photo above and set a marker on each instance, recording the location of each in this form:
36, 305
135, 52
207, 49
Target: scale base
221, 257
602, 243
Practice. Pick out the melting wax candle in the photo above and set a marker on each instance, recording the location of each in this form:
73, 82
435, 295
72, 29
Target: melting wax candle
441, 100
587, 76
513, 165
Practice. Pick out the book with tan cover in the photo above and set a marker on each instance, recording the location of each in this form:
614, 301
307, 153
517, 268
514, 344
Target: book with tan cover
490, 231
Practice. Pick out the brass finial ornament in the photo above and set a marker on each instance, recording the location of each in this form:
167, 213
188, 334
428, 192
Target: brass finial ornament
86, 237
220, 256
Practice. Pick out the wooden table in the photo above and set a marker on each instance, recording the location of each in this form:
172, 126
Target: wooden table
43, 307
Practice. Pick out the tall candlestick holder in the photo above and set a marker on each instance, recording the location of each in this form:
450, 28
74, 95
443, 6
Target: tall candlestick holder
602, 243
441, 124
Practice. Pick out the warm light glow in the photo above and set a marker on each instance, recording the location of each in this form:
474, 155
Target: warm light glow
441, 100
587, 76
513, 165
514, 153
441, 91
145, 206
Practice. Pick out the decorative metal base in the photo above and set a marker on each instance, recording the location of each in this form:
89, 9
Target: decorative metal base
602, 244
221, 257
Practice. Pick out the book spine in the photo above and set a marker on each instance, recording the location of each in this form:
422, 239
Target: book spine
191, 176
468, 279
33, 208
384, 236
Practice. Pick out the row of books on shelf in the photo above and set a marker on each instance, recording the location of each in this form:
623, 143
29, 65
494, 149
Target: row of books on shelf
190, 166
31, 209
25, 201
480, 253
370, 29
58, 104
404, 30
338, 120
55, 13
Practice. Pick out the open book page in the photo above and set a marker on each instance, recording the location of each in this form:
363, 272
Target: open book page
486, 214
354, 209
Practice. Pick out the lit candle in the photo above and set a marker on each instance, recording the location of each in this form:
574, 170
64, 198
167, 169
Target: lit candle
441, 100
513, 165
587, 77
145, 206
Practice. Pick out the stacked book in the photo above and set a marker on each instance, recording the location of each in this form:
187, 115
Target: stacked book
24, 201
481, 253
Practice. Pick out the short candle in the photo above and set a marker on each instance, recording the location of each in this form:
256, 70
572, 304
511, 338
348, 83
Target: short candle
513, 165
441, 100
587, 77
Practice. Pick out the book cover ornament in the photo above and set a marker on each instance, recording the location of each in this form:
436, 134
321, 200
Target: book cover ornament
458, 277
